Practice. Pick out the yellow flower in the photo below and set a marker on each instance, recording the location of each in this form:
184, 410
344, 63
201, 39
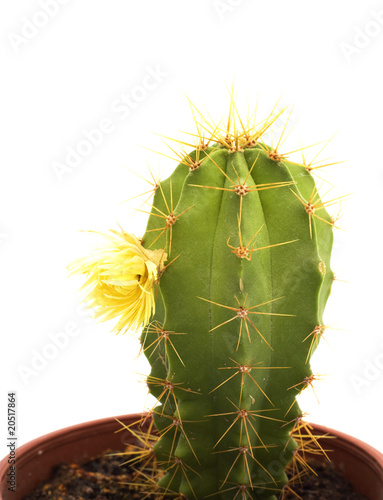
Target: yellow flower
120, 280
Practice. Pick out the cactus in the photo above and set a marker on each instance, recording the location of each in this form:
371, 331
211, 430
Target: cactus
229, 282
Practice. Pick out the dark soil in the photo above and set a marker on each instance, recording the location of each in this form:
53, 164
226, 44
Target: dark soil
103, 478
327, 485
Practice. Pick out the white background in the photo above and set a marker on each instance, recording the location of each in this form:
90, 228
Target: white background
70, 74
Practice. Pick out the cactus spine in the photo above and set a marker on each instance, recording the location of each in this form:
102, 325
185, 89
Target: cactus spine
238, 315
236, 256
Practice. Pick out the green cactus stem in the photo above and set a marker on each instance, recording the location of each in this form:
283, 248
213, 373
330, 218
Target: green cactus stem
238, 316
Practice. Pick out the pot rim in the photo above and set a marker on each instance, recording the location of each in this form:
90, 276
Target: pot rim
70, 433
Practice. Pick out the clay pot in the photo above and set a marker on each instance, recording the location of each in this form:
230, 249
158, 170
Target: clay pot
361, 464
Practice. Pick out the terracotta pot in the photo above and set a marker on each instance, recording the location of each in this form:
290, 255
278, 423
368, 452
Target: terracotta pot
361, 464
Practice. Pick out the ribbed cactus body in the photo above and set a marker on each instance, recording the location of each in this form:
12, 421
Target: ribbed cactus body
230, 342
